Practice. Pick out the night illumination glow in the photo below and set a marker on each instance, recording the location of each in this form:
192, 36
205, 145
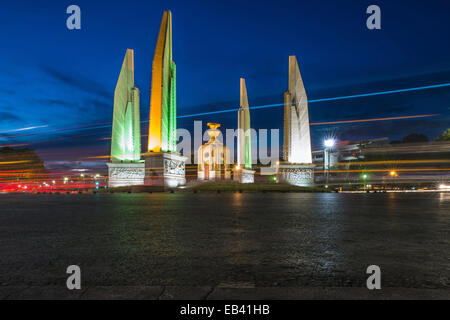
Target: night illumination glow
329, 143
163, 104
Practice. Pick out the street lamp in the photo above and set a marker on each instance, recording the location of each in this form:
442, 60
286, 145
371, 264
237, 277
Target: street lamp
329, 144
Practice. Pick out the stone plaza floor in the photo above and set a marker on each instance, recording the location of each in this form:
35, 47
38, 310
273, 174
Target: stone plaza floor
212, 246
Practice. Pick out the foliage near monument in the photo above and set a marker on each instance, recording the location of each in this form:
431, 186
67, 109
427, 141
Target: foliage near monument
21, 165
445, 136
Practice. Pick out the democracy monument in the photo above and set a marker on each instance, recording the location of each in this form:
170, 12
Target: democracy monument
296, 168
213, 157
126, 167
243, 172
162, 165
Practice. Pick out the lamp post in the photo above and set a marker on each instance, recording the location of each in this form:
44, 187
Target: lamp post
329, 144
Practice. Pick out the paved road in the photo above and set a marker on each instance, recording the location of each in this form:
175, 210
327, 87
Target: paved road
224, 241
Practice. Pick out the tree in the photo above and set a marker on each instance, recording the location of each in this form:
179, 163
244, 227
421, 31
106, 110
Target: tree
445, 136
414, 137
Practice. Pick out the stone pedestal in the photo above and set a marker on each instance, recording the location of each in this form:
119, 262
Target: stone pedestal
301, 175
209, 175
243, 175
125, 174
213, 175
165, 169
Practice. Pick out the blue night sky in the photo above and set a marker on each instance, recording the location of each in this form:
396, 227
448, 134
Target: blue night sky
62, 81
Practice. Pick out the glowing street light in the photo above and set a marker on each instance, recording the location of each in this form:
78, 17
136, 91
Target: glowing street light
329, 143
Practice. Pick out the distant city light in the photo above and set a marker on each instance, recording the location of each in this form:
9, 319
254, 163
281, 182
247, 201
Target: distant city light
444, 187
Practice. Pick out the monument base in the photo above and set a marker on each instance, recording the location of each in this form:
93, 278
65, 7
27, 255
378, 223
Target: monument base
165, 169
207, 176
213, 175
243, 175
301, 175
125, 174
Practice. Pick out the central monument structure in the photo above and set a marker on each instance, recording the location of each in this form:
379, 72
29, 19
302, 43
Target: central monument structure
243, 171
163, 165
126, 167
296, 167
213, 157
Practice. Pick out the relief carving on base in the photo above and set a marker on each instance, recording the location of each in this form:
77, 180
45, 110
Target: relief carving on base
174, 167
297, 176
126, 173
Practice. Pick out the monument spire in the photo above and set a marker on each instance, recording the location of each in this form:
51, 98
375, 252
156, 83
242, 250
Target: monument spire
162, 125
296, 167
244, 134
126, 136
125, 167
297, 140
242, 172
164, 167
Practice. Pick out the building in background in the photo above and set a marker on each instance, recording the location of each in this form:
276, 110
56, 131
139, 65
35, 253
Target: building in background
377, 163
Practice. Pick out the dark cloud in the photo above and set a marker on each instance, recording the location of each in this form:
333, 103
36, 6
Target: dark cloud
6, 92
78, 82
97, 105
395, 130
7, 117
86, 105
54, 103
